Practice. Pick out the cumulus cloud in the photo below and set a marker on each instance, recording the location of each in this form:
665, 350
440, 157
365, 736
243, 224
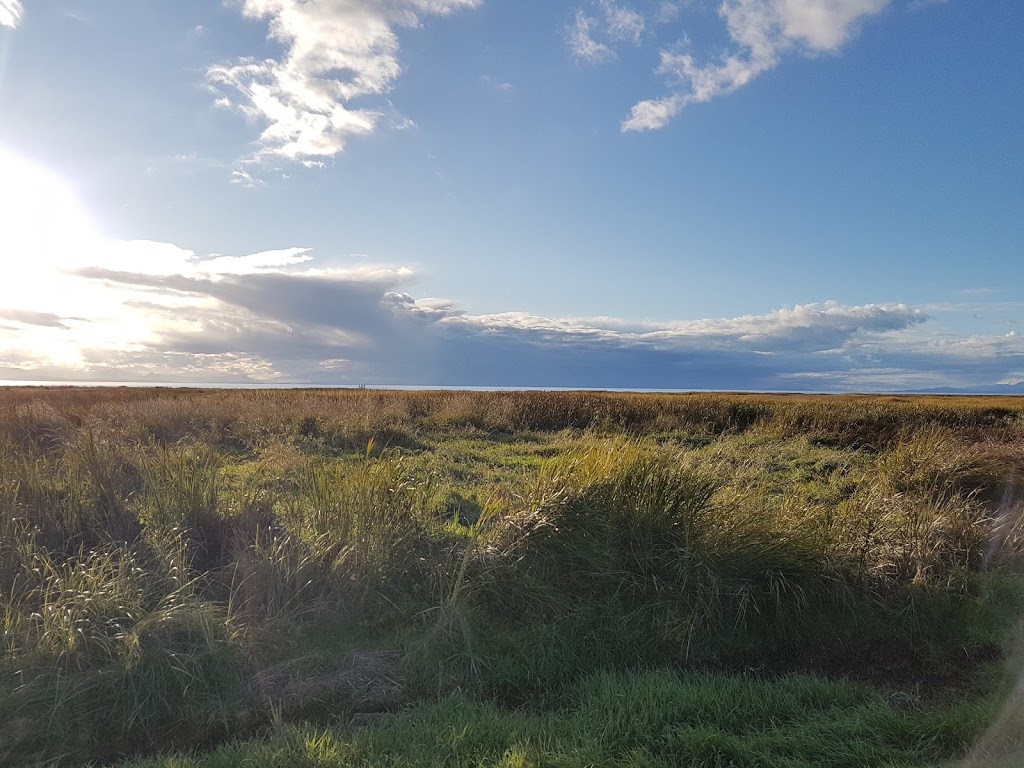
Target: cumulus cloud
276, 317
10, 13
910, 362
809, 326
336, 52
762, 32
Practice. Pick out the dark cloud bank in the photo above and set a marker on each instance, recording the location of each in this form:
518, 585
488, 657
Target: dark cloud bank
323, 327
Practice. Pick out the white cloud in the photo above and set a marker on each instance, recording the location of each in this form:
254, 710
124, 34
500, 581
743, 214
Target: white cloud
824, 25
257, 262
623, 23
762, 31
245, 179
814, 326
981, 291
667, 12
77, 305
306, 323
592, 37
582, 44
275, 316
336, 52
10, 13
401, 123
497, 84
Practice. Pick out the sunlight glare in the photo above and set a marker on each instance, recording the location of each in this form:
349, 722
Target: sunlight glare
44, 230
45, 234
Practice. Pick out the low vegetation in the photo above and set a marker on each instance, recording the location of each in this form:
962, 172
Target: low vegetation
358, 577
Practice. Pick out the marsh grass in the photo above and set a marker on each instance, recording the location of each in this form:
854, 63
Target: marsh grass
365, 518
276, 578
159, 550
113, 643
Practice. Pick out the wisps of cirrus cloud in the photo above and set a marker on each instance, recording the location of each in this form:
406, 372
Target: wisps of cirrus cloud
761, 33
10, 13
596, 31
337, 53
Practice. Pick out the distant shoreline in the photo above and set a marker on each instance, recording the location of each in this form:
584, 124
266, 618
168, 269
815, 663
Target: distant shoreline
1001, 391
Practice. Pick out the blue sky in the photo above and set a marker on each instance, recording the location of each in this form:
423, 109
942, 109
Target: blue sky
737, 194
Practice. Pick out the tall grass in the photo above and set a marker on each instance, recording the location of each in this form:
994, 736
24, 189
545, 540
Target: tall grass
624, 532
366, 518
112, 643
347, 419
276, 578
154, 545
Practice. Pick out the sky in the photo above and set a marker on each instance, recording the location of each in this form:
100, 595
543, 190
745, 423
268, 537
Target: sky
767, 195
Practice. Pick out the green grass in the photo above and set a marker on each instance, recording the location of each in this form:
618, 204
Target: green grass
535, 565
641, 719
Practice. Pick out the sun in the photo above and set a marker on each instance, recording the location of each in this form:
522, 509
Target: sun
44, 231
54, 311
44, 234
44, 225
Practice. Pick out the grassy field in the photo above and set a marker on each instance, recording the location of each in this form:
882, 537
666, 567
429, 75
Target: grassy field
217, 579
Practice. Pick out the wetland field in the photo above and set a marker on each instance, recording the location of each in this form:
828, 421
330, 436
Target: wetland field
330, 578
